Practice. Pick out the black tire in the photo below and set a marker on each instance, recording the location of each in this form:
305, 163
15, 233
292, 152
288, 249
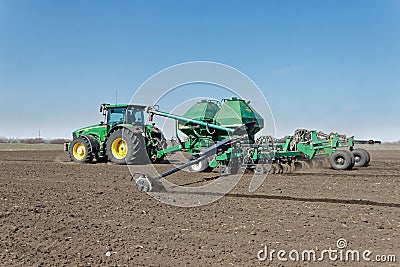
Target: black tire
341, 160
125, 147
201, 166
94, 143
367, 154
353, 161
80, 150
361, 158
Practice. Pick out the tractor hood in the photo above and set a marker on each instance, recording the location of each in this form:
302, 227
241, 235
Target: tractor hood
97, 129
100, 130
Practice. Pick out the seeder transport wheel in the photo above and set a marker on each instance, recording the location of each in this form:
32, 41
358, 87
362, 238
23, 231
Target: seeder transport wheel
368, 156
360, 157
342, 160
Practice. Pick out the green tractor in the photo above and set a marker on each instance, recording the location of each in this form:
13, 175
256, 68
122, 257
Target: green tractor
122, 138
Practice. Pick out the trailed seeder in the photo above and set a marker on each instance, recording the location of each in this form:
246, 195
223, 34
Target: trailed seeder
208, 122
223, 136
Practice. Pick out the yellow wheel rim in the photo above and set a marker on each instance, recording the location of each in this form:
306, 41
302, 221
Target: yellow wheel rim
119, 148
79, 151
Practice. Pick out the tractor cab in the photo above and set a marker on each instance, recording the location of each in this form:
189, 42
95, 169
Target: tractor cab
123, 114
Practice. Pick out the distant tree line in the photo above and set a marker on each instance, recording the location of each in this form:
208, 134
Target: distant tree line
33, 140
392, 143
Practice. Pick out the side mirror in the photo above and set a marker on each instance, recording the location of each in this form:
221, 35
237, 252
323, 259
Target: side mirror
103, 108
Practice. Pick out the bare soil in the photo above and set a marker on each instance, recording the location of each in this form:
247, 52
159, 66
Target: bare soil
57, 213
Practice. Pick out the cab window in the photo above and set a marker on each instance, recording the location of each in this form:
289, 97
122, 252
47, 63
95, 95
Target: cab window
116, 115
134, 116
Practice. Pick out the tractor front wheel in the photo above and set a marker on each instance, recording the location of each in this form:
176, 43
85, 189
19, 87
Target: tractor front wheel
80, 150
125, 147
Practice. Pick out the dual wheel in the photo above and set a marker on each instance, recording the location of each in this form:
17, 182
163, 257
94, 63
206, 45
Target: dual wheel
83, 149
346, 160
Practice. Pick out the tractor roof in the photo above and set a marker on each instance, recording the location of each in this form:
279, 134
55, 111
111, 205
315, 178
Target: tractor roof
124, 106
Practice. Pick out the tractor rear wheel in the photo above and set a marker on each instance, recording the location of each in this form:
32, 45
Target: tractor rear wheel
80, 150
361, 158
341, 160
125, 147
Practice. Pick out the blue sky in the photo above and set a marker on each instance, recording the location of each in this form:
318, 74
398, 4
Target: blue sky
327, 65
